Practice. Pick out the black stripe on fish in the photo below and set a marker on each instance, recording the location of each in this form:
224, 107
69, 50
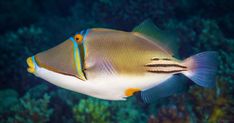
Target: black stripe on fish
156, 59
166, 59
165, 65
172, 71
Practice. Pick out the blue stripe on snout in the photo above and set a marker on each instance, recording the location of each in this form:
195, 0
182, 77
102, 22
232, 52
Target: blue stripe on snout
76, 48
34, 62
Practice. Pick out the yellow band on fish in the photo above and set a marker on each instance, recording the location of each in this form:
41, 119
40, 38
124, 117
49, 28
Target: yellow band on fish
80, 53
78, 61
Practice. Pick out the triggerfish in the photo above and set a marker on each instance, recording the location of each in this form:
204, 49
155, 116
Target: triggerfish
113, 65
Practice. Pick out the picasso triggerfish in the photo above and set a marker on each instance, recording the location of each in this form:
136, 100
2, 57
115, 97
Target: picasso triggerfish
113, 65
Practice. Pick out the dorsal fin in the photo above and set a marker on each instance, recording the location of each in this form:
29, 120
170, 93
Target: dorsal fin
148, 29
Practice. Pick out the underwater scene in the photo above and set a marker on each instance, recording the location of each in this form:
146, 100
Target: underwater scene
185, 76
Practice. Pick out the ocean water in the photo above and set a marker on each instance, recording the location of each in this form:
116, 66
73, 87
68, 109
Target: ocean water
31, 26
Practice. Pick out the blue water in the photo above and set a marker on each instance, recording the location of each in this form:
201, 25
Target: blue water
28, 27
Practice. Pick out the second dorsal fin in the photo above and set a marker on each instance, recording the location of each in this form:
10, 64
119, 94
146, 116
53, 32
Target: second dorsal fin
149, 29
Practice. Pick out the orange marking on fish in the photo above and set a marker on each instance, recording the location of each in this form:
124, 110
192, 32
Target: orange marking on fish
131, 91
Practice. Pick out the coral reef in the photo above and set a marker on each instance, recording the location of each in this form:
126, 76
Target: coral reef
175, 109
28, 110
92, 111
127, 112
96, 110
173, 114
206, 105
8, 99
15, 48
212, 105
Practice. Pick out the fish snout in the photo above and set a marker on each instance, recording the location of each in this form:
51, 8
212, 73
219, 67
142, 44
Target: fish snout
31, 65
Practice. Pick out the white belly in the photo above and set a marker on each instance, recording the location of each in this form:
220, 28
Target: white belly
108, 87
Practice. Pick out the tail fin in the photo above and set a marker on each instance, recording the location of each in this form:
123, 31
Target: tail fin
202, 68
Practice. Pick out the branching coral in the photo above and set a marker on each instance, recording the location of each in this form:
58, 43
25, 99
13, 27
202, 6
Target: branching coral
212, 105
95, 110
207, 105
92, 111
127, 111
15, 47
8, 99
29, 110
175, 109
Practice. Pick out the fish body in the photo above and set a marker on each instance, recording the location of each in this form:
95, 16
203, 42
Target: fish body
112, 64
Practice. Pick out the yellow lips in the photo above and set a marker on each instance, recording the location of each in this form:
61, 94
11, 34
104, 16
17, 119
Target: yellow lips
31, 66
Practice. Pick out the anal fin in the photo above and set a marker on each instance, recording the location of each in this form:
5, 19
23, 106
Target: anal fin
177, 83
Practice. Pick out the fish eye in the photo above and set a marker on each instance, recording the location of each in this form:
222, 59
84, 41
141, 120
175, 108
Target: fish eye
78, 38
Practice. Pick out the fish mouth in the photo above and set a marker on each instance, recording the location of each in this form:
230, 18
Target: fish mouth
31, 65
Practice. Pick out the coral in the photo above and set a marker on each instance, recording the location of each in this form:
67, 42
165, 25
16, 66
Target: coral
173, 114
15, 47
92, 111
127, 111
197, 35
212, 105
226, 25
8, 98
96, 110
63, 100
28, 110
175, 109
211, 38
38, 91
68, 97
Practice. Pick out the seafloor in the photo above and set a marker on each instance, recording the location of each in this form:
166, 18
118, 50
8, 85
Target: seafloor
30, 26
